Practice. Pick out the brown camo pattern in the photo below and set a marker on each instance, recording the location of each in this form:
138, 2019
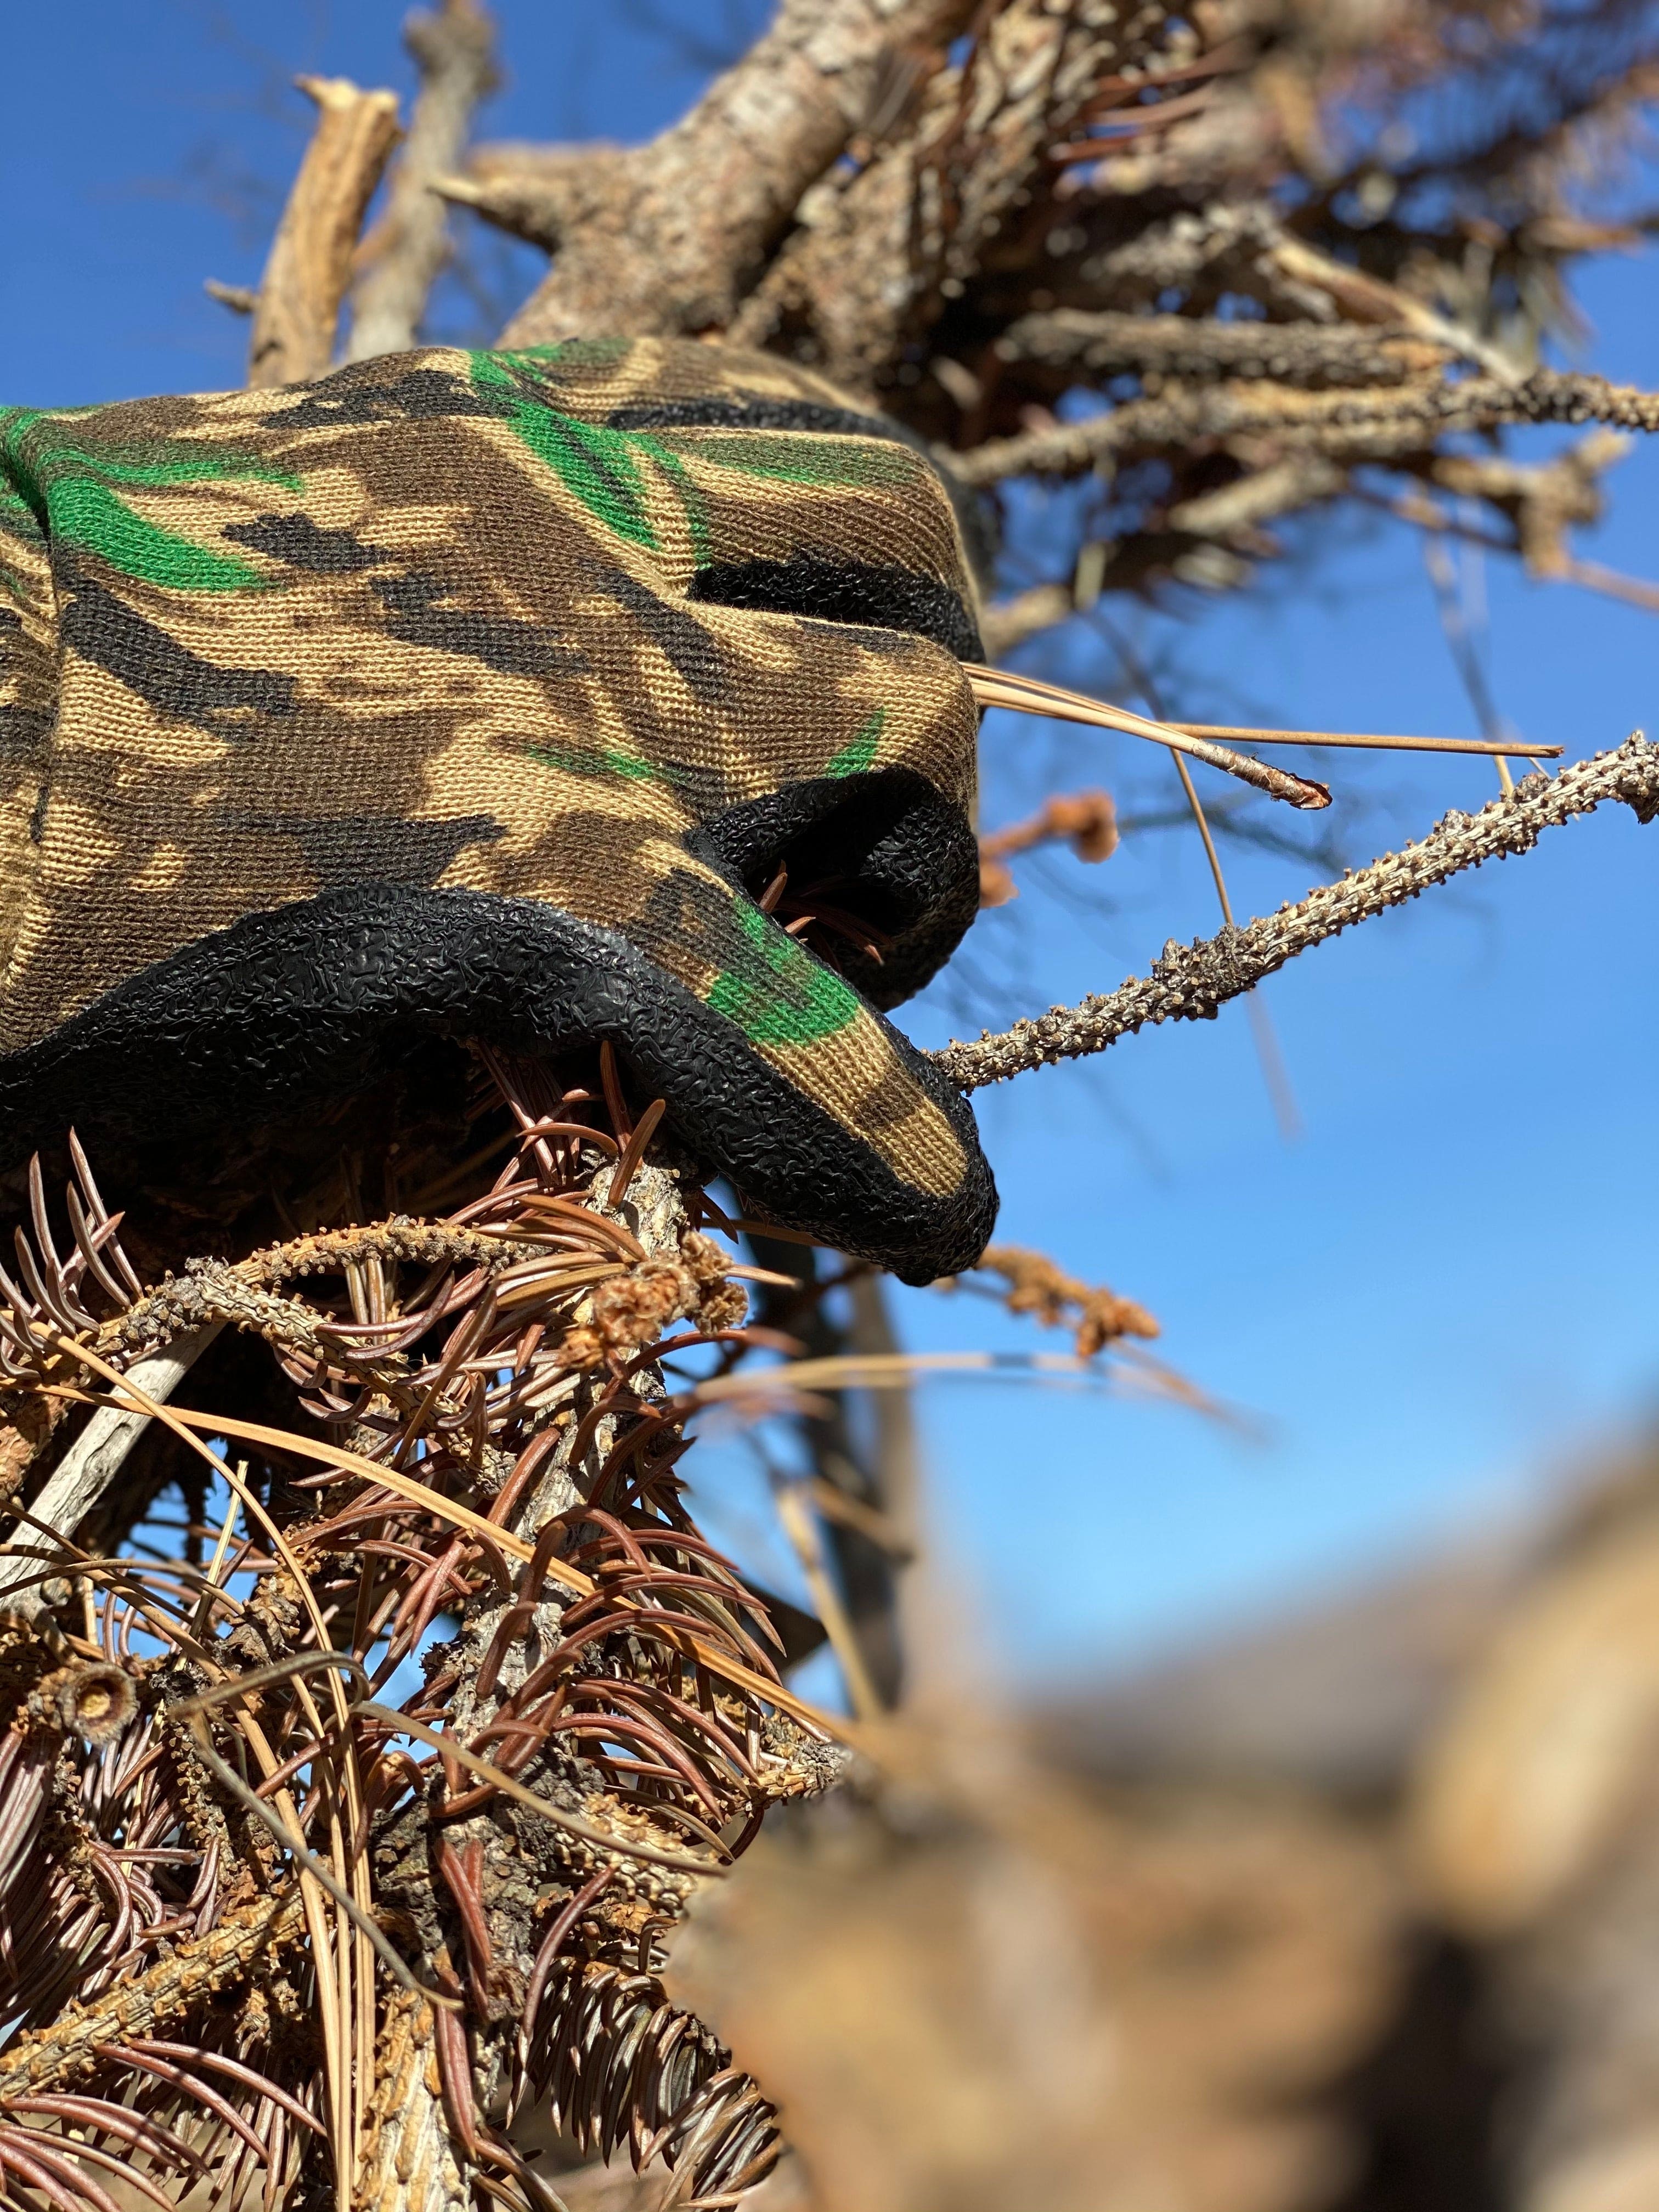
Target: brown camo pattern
256, 645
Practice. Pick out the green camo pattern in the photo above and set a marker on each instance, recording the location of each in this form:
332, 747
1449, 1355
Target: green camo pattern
435, 620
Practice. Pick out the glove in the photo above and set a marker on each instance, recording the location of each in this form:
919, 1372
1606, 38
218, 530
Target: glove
607, 690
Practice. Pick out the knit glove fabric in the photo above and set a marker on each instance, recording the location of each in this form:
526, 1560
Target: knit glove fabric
489, 694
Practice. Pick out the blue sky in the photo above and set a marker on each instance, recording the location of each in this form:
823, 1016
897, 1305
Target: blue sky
1439, 1296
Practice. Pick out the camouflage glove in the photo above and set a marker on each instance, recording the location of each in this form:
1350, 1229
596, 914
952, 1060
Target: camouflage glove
491, 695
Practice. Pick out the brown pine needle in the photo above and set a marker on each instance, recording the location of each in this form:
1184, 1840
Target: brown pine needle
184, 1420
801, 1530
1275, 1074
1055, 699
995, 687
1243, 733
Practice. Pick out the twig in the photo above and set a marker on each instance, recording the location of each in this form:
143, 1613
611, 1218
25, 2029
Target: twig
1193, 982
453, 48
240, 299
42, 2058
1364, 741
802, 1532
1188, 346
1097, 1315
1006, 623
1592, 576
310, 262
1086, 819
1360, 420
1449, 602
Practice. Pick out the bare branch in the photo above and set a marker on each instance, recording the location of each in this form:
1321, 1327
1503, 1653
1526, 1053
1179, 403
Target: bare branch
667, 237
1103, 344
310, 263
1193, 982
1008, 622
1360, 422
878, 254
91, 1462
1281, 487
240, 299
454, 49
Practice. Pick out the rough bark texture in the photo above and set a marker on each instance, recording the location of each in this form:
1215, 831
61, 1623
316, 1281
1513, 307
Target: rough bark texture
1193, 982
410, 2160
669, 239
310, 264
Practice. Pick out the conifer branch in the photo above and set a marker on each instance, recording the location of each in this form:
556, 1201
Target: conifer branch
1193, 982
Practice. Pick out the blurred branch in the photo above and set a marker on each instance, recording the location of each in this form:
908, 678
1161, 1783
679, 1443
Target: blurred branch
310, 264
1097, 1315
1180, 345
1086, 820
1193, 982
869, 1543
1369, 423
1008, 622
453, 48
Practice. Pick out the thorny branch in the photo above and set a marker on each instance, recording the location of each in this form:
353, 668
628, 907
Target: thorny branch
1362, 425
1193, 982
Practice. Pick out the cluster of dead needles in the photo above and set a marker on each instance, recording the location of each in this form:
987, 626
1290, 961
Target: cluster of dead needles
401, 1772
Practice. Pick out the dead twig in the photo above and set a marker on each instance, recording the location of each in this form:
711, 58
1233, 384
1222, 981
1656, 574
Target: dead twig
1026, 694
1036, 1285
454, 49
310, 264
91, 1462
1368, 424
1194, 982
1086, 820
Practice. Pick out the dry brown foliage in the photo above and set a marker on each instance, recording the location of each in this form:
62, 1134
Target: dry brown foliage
279, 1921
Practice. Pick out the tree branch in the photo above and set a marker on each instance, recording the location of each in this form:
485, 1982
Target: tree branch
667, 237
1006, 623
1355, 422
879, 253
310, 263
91, 1464
455, 50
1069, 339
1193, 982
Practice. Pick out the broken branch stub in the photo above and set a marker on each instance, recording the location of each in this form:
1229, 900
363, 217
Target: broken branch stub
668, 237
310, 264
